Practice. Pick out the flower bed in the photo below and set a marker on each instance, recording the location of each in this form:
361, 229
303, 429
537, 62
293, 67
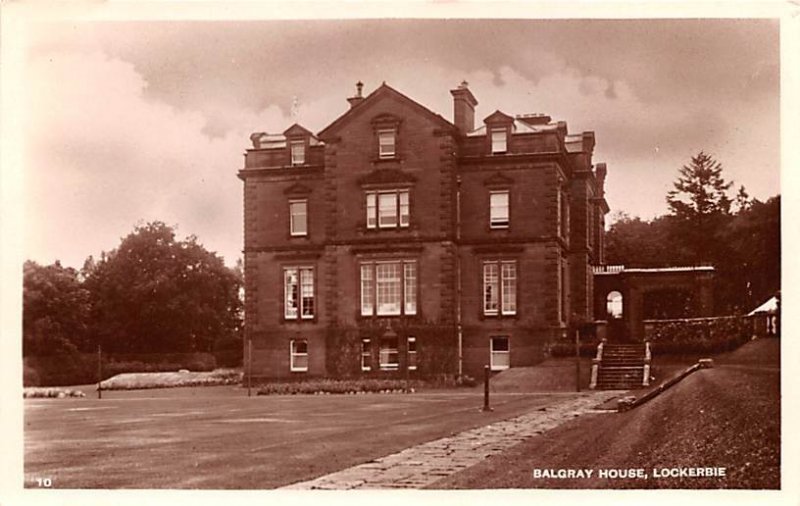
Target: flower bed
50, 393
328, 386
134, 381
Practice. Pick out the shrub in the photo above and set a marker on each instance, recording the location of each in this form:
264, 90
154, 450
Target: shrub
697, 335
564, 348
51, 393
330, 386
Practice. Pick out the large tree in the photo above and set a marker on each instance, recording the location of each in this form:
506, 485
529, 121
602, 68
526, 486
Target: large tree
634, 242
750, 270
700, 206
55, 308
158, 294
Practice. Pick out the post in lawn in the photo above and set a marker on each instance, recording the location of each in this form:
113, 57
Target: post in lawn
486, 389
578, 360
99, 372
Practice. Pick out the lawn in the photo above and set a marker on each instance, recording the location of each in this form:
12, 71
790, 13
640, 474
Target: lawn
217, 437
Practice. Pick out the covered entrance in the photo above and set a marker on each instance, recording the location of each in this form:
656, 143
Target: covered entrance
625, 297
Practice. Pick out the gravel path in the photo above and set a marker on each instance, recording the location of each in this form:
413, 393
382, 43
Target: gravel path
424, 464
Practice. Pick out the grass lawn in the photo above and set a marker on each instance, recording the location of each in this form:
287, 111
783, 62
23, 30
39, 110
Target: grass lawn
217, 437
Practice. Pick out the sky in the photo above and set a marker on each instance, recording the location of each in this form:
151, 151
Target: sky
130, 122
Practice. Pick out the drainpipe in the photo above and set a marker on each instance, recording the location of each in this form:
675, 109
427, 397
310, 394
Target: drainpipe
458, 279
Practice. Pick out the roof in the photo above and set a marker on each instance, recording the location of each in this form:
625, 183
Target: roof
519, 127
770, 306
382, 90
264, 140
617, 269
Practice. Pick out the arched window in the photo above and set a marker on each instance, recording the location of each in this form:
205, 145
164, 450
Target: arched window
614, 305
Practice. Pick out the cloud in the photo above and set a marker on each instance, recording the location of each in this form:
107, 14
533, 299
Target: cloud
100, 157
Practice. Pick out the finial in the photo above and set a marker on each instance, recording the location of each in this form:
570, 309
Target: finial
359, 87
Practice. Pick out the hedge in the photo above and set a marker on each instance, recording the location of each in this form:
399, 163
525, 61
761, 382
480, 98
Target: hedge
81, 368
327, 386
697, 335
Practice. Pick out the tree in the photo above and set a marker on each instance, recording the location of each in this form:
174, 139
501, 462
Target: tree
157, 294
634, 242
700, 205
750, 271
55, 308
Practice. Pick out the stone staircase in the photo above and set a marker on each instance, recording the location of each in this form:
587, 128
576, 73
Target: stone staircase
621, 366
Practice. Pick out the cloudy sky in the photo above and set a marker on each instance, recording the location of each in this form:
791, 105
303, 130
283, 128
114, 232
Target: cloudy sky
128, 122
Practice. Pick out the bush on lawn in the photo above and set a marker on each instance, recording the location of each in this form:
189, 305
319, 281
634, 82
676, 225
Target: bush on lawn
50, 393
328, 386
172, 379
564, 348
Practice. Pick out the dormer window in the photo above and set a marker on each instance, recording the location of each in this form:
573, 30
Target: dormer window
298, 152
499, 140
386, 143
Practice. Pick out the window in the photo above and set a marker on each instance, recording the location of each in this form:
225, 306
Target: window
298, 292
500, 288
499, 353
412, 354
389, 357
389, 288
498, 209
614, 305
508, 280
562, 280
298, 217
298, 151
388, 209
563, 214
366, 355
298, 355
499, 140
386, 143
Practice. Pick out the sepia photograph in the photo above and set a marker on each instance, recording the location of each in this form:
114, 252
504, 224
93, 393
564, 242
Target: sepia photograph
465, 251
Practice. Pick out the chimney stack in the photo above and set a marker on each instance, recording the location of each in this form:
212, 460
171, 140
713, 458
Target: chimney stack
464, 103
600, 173
354, 101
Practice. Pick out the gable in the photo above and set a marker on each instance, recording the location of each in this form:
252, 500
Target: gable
382, 93
498, 117
297, 131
